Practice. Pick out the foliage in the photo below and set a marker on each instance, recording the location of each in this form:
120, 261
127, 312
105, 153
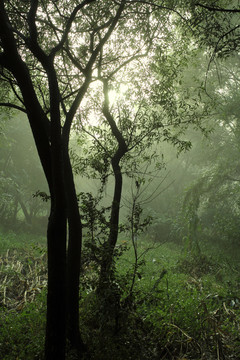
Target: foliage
216, 25
169, 314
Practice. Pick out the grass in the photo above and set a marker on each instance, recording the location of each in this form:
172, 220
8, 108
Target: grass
10, 241
182, 307
193, 300
23, 280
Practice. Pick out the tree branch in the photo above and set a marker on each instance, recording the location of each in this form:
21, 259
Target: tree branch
75, 62
9, 105
106, 37
215, 50
88, 72
68, 26
32, 42
117, 134
31, 20
162, 7
232, 179
71, 113
133, 57
211, 8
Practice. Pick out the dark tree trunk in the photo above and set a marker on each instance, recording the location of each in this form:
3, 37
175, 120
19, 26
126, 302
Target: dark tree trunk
107, 257
56, 238
56, 297
73, 259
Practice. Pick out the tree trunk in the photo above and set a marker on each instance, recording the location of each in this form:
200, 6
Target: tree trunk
107, 258
56, 297
24, 209
14, 216
57, 238
73, 259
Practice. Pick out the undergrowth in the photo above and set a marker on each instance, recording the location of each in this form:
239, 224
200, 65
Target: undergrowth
181, 307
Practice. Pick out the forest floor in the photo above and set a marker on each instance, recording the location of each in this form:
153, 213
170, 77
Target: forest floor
181, 306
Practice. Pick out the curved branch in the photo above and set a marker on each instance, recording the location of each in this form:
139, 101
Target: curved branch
211, 8
73, 59
13, 106
117, 134
71, 113
59, 46
95, 139
32, 42
133, 57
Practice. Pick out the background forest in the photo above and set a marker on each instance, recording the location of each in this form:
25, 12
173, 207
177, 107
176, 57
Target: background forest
119, 166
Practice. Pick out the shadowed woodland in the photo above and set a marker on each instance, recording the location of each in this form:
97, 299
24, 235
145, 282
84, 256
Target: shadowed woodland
119, 180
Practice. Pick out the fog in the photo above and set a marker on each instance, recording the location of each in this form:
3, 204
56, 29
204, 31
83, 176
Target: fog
199, 185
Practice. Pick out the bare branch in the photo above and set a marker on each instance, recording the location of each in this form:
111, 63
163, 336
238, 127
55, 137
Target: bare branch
71, 113
13, 106
133, 57
211, 8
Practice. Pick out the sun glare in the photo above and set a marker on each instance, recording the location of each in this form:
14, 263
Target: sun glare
92, 116
115, 95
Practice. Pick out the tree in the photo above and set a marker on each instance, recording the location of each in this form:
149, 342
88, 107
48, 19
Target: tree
36, 53
218, 178
129, 124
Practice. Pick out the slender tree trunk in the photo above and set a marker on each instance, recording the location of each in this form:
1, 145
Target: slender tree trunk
14, 216
24, 209
114, 224
73, 259
107, 257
